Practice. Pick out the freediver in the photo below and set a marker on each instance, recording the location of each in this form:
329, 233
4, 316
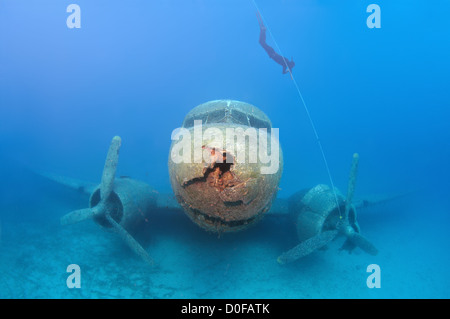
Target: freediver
284, 62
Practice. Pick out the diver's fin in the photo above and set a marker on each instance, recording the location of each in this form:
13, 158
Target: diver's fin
308, 246
131, 242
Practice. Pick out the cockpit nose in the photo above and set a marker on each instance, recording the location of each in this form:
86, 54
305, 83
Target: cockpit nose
216, 165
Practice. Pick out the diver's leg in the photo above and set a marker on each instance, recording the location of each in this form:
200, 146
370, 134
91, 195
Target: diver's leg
262, 39
270, 51
262, 31
260, 21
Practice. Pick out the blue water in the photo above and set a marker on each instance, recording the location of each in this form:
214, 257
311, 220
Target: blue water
135, 70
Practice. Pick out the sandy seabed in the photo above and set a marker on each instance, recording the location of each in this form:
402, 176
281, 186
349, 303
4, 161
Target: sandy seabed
190, 263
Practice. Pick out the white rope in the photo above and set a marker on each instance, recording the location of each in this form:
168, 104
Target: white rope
305, 107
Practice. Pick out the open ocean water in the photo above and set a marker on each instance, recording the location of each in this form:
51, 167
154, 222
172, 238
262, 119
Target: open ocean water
136, 69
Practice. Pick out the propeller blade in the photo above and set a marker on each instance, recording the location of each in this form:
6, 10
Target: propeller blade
131, 242
77, 216
307, 247
109, 171
351, 184
363, 243
81, 214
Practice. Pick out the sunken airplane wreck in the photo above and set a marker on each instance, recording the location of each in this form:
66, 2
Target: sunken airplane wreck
223, 194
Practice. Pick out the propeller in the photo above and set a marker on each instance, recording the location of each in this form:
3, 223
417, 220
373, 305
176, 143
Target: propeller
106, 187
354, 238
105, 204
343, 227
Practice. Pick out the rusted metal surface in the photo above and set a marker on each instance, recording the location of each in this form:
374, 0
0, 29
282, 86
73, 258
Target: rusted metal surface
221, 193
